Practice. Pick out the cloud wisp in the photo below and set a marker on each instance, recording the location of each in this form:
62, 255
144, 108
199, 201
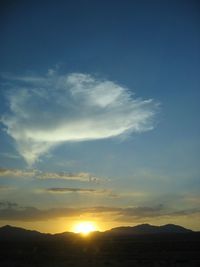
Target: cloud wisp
45, 111
103, 192
12, 211
19, 173
71, 190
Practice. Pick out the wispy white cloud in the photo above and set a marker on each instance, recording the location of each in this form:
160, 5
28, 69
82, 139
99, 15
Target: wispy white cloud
48, 110
81, 176
6, 172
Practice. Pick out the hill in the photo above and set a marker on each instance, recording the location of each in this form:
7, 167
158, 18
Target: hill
149, 229
142, 245
8, 232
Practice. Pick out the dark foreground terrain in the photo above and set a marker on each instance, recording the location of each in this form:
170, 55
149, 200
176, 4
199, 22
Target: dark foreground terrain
99, 250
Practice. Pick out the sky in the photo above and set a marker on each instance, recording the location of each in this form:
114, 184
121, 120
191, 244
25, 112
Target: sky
99, 104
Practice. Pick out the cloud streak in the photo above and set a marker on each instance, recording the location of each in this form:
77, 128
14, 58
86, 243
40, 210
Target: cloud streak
12, 211
19, 173
103, 192
71, 190
48, 110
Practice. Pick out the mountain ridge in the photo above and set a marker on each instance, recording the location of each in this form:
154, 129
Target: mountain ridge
150, 229
9, 232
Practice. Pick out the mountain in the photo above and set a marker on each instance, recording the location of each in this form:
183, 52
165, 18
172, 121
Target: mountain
149, 229
8, 232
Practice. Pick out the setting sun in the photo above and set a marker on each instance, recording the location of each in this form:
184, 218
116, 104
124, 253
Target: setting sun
85, 228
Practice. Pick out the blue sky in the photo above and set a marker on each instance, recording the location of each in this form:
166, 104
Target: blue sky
129, 115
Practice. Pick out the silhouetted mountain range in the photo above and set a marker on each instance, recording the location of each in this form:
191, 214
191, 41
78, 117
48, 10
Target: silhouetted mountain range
142, 245
8, 232
14, 233
150, 229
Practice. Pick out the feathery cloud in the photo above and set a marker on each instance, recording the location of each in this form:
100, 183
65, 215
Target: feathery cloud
48, 110
81, 176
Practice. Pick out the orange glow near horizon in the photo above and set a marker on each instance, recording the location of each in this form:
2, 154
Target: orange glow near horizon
85, 228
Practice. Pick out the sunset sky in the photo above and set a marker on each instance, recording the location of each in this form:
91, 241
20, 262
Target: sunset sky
99, 111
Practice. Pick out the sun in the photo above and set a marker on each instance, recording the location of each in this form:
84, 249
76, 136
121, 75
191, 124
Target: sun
85, 228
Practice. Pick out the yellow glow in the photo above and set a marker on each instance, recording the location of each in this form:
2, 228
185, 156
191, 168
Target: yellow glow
85, 228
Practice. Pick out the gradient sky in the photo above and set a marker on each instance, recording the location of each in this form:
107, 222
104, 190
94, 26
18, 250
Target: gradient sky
99, 106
